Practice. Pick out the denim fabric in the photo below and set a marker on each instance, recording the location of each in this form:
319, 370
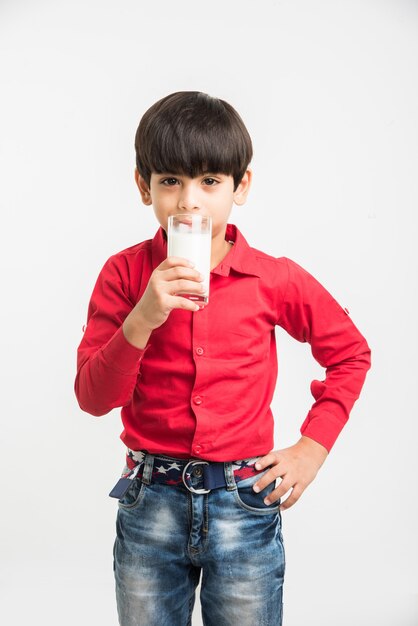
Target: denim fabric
168, 536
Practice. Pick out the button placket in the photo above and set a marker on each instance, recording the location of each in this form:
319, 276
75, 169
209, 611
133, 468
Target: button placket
200, 334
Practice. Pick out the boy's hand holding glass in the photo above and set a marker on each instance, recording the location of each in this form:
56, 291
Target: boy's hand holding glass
172, 276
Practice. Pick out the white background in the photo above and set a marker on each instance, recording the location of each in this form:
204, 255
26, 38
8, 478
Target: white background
328, 91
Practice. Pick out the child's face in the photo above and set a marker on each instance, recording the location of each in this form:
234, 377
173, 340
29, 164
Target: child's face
208, 194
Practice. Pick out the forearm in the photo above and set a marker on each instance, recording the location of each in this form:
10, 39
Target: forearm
106, 379
334, 399
135, 330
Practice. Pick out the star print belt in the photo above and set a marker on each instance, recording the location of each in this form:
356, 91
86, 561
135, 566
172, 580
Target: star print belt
196, 475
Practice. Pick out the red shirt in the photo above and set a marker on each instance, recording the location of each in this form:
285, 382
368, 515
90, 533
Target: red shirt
204, 383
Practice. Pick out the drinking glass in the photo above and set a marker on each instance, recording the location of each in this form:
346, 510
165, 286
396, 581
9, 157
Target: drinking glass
190, 237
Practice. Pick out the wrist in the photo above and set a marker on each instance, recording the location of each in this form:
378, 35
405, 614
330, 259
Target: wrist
135, 330
316, 449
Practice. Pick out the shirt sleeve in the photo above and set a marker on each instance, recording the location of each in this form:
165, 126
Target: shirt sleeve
310, 314
108, 366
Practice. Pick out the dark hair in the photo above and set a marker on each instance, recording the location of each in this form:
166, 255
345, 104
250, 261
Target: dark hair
190, 133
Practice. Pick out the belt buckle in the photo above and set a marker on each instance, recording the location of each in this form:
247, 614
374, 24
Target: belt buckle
189, 487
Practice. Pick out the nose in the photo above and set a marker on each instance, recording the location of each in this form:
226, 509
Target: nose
189, 198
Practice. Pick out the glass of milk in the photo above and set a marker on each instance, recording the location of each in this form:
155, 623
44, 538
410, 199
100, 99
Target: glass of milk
190, 237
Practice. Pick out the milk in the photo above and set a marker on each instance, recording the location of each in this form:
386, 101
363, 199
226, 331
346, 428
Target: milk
186, 241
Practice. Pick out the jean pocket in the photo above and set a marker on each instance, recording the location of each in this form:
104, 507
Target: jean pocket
133, 497
249, 500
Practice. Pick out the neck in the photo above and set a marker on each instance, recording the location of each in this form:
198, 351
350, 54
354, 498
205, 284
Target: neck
219, 252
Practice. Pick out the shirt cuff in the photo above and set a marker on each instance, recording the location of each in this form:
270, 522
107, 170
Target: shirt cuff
121, 355
323, 428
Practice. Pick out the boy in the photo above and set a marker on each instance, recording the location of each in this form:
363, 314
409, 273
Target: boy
199, 492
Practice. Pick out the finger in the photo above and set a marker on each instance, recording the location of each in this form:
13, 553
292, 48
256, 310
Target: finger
267, 478
177, 272
184, 303
174, 287
278, 493
173, 261
291, 499
270, 459
272, 497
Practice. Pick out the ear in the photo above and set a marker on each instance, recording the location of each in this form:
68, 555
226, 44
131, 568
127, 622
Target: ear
241, 193
144, 189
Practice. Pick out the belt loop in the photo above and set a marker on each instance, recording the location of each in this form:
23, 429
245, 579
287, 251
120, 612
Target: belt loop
231, 485
148, 467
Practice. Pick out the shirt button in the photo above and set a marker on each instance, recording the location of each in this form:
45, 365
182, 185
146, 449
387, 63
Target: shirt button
197, 400
197, 449
199, 351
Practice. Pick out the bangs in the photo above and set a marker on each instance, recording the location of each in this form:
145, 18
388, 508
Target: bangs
191, 151
189, 134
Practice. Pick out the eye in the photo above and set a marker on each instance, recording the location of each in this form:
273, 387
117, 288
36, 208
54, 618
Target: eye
169, 182
210, 182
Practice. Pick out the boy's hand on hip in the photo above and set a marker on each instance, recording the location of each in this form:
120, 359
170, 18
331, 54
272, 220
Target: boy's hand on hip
172, 276
297, 466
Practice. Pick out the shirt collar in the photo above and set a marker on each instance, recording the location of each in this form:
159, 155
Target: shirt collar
241, 257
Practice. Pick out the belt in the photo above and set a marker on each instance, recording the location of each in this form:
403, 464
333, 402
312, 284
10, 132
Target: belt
197, 475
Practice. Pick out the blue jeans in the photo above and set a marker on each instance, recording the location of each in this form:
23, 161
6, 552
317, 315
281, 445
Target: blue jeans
167, 536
